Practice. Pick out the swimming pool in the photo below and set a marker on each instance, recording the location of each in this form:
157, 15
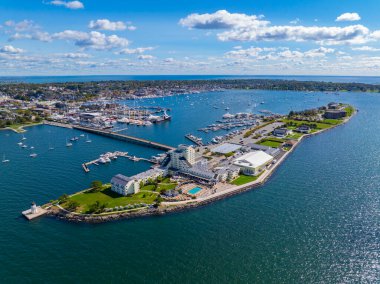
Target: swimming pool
195, 190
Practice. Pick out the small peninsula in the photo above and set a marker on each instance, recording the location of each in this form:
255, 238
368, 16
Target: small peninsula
191, 176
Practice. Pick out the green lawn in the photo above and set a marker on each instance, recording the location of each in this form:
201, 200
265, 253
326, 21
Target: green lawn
110, 198
319, 125
295, 135
350, 110
332, 121
164, 185
243, 179
271, 142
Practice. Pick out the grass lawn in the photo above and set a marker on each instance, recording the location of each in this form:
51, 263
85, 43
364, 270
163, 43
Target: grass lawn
320, 125
271, 142
295, 135
110, 198
243, 179
332, 121
164, 185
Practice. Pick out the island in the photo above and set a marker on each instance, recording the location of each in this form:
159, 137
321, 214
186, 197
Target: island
194, 175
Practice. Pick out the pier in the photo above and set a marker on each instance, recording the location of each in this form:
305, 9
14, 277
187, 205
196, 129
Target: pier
194, 139
115, 135
112, 156
124, 137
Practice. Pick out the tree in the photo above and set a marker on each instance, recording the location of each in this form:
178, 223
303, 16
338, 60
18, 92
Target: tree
72, 205
96, 184
96, 207
63, 198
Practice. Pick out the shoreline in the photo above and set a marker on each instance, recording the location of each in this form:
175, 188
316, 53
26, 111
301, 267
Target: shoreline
21, 129
176, 207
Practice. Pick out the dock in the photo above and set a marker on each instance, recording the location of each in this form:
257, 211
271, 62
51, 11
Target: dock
113, 155
30, 216
194, 139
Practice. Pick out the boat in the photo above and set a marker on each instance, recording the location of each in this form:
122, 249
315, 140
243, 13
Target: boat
68, 144
88, 140
23, 137
227, 108
5, 160
82, 135
19, 143
31, 147
33, 155
24, 146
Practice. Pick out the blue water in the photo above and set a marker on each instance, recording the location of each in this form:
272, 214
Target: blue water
195, 190
89, 78
317, 220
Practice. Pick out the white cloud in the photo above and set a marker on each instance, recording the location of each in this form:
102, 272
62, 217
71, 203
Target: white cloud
137, 50
11, 49
365, 48
93, 39
266, 53
221, 19
73, 5
36, 35
145, 57
25, 25
107, 25
242, 27
348, 17
75, 55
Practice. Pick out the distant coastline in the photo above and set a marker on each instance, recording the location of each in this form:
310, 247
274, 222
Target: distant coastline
92, 78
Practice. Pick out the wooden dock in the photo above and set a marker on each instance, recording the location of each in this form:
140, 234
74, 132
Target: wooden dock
117, 154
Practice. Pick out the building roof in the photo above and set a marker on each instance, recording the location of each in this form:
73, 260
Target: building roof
120, 179
253, 159
226, 148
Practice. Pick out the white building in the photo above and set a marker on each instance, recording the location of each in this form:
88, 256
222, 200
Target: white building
130, 185
124, 185
183, 152
182, 160
253, 163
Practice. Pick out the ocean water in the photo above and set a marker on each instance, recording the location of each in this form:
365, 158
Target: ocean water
89, 78
317, 220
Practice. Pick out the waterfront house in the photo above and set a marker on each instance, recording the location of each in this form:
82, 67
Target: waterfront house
281, 132
290, 143
124, 185
253, 163
335, 113
303, 129
130, 185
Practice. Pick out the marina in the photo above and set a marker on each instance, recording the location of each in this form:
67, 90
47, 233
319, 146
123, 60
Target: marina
109, 156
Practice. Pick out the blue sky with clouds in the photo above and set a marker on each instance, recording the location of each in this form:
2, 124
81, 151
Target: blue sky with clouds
54, 37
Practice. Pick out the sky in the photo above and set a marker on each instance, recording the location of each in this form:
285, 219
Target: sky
184, 37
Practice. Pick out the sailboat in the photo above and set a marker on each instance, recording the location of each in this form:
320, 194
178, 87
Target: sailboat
88, 140
68, 144
5, 160
23, 137
51, 147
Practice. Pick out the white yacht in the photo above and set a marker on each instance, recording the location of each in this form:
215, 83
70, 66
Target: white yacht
33, 155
